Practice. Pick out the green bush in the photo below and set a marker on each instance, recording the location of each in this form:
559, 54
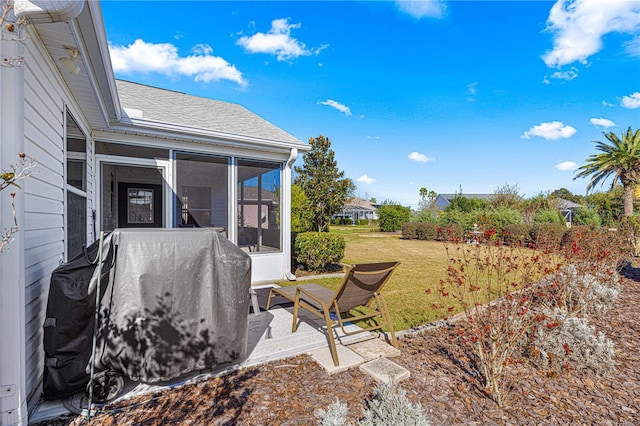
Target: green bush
450, 232
587, 216
341, 221
426, 216
549, 215
517, 234
391, 217
363, 222
316, 250
547, 235
502, 217
409, 231
420, 231
466, 220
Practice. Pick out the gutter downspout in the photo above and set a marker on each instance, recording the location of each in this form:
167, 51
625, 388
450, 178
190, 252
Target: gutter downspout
286, 223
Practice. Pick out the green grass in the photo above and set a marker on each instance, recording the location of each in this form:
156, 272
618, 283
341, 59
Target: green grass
423, 264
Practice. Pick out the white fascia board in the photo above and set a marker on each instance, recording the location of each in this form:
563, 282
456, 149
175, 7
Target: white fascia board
172, 131
89, 32
201, 145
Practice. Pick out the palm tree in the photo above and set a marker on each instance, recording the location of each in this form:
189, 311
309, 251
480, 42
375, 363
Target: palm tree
620, 158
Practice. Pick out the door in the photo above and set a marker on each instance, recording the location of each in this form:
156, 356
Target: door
139, 205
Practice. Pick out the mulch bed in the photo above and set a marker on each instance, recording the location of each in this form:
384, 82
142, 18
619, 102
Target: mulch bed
289, 392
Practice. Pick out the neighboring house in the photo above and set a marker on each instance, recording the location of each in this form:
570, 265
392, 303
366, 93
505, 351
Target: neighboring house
568, 209
356, 209
115, 154
443, 200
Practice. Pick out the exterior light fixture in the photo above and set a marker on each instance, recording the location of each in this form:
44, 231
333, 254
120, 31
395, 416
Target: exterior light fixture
68, 63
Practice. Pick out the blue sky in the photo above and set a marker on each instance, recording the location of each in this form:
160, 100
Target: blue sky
437, 94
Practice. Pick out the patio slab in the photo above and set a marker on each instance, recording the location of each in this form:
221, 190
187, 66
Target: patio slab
374, 348
385, 370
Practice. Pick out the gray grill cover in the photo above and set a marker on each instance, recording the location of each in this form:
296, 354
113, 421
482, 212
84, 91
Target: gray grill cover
177, 301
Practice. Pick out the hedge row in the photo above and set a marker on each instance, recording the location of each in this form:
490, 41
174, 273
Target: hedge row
521, 234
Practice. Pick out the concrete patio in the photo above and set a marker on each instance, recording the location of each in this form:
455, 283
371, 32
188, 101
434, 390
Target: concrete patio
269, 339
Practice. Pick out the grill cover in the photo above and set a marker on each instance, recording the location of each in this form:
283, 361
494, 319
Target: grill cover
175, 301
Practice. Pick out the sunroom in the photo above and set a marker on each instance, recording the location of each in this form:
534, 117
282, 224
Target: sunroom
176, 160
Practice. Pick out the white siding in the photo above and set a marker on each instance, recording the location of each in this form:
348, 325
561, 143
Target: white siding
46, 100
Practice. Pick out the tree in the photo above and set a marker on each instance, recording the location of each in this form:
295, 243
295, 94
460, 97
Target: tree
621, 159
506, 196
427, 199
323, 183
301, 220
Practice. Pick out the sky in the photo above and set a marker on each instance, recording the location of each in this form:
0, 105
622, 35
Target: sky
453, 96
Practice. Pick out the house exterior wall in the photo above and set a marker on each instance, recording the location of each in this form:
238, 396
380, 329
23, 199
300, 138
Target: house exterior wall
45, 106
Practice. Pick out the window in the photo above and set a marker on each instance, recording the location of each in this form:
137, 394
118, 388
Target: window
76, 188
258, 207
202, 191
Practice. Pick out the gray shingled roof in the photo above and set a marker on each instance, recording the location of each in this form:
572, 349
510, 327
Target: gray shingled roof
168, 106
450, 197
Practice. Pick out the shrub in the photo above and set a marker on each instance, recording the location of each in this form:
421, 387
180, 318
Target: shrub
549, 215
335, 415
560, 341
392, 407
465, 219
420, 231
450, 232
507, 277
363, 222
517, 234
587, 216
409, 231
426, 216
579, 292
316, 250
630, 230
389, 406
391, 217
547, 235
500, 218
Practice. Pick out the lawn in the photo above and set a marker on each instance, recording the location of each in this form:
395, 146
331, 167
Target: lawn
423, 265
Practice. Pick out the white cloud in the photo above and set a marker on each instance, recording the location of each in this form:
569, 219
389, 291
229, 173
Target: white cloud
562, 75
578, 27
606, 104
566, 166
337, 105
278, 41
421, 158
472, 90
373, 137
163, 58
550, 131
632, 101
422, 8
602, 122
366, 179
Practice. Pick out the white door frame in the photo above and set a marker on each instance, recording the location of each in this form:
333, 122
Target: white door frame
167, 187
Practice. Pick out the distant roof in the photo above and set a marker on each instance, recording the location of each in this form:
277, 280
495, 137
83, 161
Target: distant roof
360, 203
168, 106
566, 204
450, 197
